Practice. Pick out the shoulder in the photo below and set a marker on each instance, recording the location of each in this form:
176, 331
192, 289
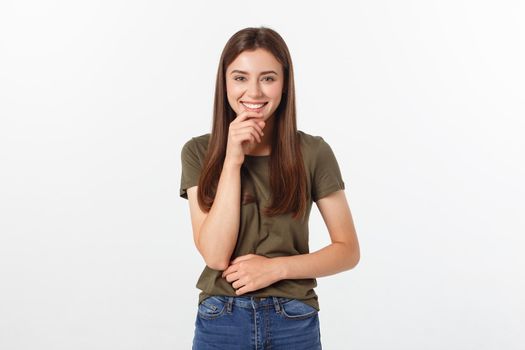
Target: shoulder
196, 146
311, 145
197, 141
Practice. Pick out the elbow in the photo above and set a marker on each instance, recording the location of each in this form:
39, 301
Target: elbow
212, 260
355, 261
219, 265
352, 263
356, 256
353, 257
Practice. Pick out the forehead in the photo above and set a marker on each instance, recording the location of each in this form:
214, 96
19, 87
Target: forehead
255, 61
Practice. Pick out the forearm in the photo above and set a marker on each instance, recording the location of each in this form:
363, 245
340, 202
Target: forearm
332, 259
218, 233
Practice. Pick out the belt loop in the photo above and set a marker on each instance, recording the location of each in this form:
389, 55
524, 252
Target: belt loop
276, 304
229, 305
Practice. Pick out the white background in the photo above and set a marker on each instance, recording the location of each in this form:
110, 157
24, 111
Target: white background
422, 102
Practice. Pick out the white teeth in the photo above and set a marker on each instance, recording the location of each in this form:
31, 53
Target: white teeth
252, 106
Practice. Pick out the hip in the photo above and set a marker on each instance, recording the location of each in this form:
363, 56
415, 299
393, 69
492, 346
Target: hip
247, 322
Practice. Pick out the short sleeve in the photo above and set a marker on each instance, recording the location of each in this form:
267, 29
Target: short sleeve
190, 167
327, 176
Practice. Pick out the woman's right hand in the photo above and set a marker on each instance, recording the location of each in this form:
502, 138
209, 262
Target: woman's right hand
244, 131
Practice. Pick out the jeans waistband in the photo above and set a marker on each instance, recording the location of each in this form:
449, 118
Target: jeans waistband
252, 302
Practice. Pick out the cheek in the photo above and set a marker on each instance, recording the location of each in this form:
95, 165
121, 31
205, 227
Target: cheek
230, 92
233, 90
274, 91
233, 95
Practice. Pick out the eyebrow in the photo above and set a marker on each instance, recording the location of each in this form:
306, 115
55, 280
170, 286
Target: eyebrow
243, 72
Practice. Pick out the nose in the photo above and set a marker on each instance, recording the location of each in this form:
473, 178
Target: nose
254, 89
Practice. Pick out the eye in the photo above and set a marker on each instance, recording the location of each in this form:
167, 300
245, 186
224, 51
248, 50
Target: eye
239, 78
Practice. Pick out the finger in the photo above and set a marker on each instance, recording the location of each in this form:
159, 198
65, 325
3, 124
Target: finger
227, 271
251, 127
246, 125
245, 135
232, 277
247, 115
241, 290
231, 269
257, 135
238, 284
257, 124
252, 135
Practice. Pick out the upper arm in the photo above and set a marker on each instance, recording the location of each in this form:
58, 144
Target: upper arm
326, 174
191, 166
329, 195
338, 219
197, 215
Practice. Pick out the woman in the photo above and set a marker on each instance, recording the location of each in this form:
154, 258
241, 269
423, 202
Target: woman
250, 184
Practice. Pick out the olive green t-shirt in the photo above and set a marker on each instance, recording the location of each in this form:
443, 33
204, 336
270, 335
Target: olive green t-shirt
267, 236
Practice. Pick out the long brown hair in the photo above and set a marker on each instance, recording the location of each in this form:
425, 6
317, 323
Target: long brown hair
287, 173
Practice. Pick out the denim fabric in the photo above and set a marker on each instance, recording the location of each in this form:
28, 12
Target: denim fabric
256, 323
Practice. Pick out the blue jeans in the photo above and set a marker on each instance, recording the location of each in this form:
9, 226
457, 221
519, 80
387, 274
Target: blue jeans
255, 323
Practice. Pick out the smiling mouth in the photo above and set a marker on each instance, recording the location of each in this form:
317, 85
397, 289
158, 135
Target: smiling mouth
254, 106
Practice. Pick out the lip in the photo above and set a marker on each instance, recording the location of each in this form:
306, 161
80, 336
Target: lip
254, 103
264, 104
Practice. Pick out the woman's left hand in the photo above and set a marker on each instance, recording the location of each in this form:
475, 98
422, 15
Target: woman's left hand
251, 272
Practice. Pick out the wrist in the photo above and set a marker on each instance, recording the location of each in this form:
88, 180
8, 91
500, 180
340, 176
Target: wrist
280, 268
231, 164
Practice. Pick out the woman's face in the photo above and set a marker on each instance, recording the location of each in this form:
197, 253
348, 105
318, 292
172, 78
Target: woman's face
255, 77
